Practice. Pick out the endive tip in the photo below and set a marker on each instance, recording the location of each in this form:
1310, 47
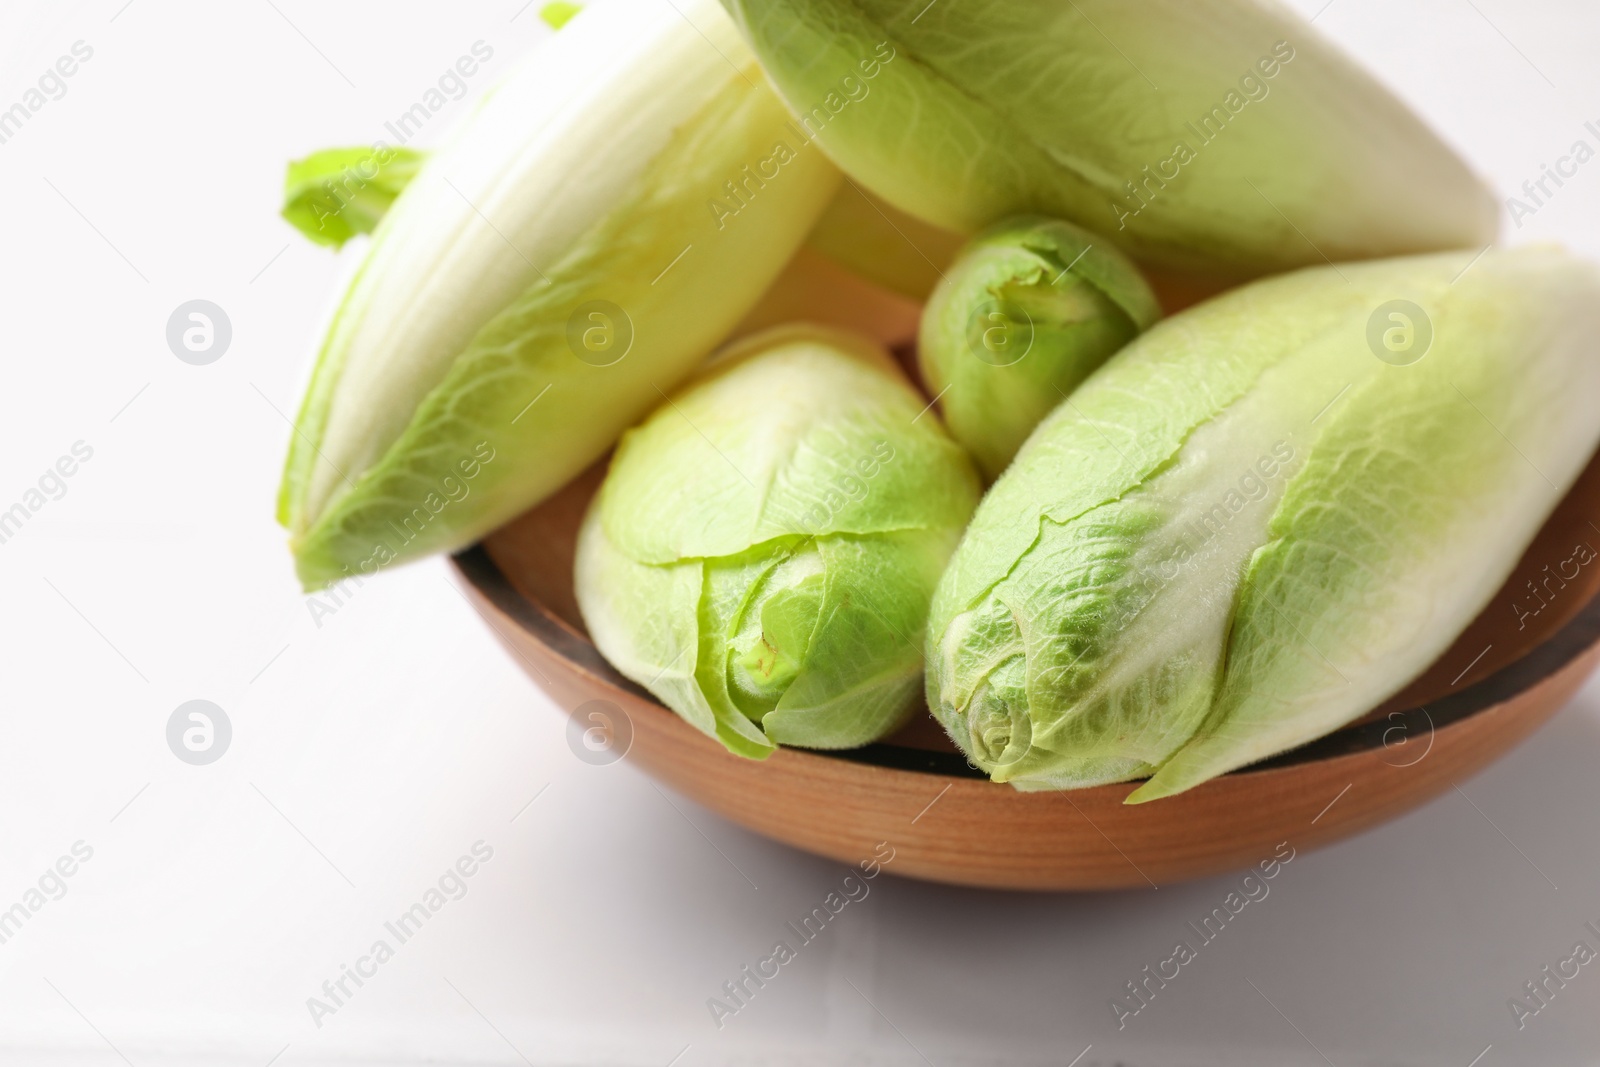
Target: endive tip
1152, 790
1192, 765
558, 13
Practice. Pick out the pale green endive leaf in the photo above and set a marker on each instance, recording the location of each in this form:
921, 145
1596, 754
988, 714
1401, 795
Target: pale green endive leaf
569, 255
1225, 137
1265, 516
336, 193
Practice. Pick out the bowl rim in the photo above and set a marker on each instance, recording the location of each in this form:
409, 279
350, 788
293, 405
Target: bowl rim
1575, 637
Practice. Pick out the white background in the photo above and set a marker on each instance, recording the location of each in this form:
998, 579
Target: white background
372, 751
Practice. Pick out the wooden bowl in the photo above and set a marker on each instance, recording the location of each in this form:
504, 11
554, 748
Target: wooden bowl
1511, 669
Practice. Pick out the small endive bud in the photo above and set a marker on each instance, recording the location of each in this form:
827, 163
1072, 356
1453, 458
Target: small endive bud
1024, 314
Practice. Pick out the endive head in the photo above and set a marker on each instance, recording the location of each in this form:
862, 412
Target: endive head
763, 549
1225, 137
1265, 516
1027, 310
575, 248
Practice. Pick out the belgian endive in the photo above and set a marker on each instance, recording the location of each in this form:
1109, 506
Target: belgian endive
763, 550
597, 226
1265, 516
1220, 136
